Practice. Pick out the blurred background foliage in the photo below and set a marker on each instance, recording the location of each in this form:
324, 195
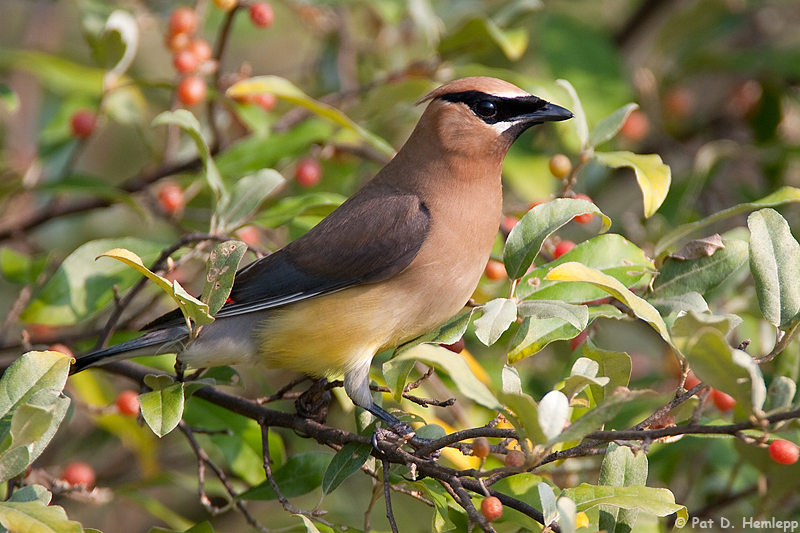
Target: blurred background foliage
716, 80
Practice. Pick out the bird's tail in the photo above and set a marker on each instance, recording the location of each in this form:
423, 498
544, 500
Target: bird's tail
151, 343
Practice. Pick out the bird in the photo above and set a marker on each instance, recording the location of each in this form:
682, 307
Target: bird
398, 258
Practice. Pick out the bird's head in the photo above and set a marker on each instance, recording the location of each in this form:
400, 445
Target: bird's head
479, 114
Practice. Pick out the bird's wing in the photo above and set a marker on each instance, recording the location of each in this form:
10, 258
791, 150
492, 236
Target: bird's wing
370, 238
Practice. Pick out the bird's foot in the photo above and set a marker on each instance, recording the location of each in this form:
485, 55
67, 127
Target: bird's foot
313, 403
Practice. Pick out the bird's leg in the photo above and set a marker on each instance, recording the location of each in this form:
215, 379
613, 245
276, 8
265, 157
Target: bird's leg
313, 403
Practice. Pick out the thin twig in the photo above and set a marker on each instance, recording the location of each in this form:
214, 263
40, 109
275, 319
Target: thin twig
387, 495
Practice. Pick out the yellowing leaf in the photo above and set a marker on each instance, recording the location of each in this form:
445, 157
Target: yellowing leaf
653, 176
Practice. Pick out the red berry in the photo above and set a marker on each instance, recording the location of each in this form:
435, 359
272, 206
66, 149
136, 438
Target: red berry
82, 123
201, 50
170, 196
182, 20
308, 172
261, 14
575, 342
495, 270
679, 103
191, 90
691, 382
723, 402
491, 508
128, 403
636, 126
535, 203
77, 473
457, 346
61, 349
562, 248
586, 217
480, 447
514, 458
784, 452
560, 166
266, 101
177, 41
507, 224
185, 61
250, 235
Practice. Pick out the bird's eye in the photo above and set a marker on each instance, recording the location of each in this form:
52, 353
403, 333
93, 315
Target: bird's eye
485, 108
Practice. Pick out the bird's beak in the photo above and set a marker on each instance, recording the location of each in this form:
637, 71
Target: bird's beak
548, 113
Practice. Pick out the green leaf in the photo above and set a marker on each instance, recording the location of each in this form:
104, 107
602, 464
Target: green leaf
447, 333
125, 25
690, 301
456, 367
774, 260
583, 374
308, 524
300, 475
687, 325
653, 176
548, 501
283, 88
8, 98
510, 379
677, 277
732, 371
190, 306
527, 236
525, 417
780, 395
34, 517
642, 309
567, 511
609, 126
659, 502
611, 254
187, 122
579, 118
162, 409
784, 195
498, 315
247, 195
32, 493
347, 461
614, 365
553, 413
621, 468
534, 334
59, 75
81, 287
30, 375
479, 31
223, 261
575, 315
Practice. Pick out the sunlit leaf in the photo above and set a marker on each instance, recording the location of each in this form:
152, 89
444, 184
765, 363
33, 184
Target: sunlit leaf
553, 413
498, 315
223, 261
609, 126
579, 118
123, 23
35, 517
653, 176
660, 502
162, 409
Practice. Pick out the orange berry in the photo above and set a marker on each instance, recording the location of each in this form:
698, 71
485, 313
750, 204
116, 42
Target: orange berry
250, 235
691, 381
491, 508
60, 348
266, 101
191, 90
560, 166
201, 50
636, 126
177, 41
82, 123
507, 224
128, 403
308, 172
586, 217
562, 248
182, 20
77, 473
536, 202
261, 14
480, 447
495, 270
185, 61
170, 196
784, 452
724, 402
515, 458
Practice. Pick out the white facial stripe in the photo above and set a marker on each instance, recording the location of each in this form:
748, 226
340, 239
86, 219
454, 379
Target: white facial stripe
500, 127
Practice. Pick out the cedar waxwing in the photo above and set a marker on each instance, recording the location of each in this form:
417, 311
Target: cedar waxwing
398, 258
